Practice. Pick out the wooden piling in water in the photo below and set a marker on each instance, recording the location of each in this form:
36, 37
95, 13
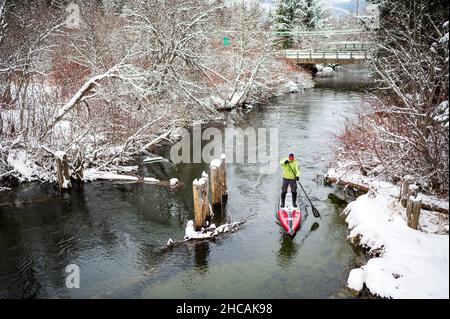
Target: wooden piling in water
223, 177
216, 183
198, 188
206, 208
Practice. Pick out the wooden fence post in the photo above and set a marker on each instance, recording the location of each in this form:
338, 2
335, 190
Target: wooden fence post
413, 207
404, 193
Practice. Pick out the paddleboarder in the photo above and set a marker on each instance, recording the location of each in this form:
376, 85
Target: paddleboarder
291, 174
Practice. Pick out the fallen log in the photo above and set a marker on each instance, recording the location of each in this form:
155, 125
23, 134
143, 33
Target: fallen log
361, 188
209, 233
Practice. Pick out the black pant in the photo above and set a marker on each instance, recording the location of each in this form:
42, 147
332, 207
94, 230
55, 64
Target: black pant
289, 182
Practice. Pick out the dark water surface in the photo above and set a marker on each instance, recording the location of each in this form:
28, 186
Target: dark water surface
116, 232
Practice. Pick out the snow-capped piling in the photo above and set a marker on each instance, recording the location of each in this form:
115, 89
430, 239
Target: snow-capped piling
202, 209
198, 189
218, 175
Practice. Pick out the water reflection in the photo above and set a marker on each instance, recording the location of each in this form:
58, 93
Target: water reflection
201, 255
288, 251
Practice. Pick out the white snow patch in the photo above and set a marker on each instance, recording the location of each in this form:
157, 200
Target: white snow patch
412, 264
289, 87
356, 279
60, 154
215, 163
199, 182
173, 181
152, 159
128, 168
21, 164
151, 180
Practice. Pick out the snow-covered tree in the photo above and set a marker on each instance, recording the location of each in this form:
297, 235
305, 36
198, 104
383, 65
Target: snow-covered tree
285, 17
404, 131
311, 14
299, 15
3, 23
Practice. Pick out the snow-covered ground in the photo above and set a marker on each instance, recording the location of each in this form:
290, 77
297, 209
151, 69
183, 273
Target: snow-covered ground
406, 263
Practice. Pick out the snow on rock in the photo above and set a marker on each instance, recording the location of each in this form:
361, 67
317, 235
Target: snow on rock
356, 279
409, 263
173, 181
289, 87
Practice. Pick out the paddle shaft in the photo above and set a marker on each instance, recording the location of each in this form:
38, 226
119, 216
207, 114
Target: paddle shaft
315, 211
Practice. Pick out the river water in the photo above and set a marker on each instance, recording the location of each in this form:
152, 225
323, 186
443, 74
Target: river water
116, 232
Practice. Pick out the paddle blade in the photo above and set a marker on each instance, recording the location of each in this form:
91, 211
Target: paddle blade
315, 212
314, 226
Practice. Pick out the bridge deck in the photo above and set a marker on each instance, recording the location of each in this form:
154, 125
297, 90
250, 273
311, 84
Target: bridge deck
338, 57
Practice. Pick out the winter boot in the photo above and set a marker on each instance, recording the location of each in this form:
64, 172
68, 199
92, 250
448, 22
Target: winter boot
283, 198
294, 199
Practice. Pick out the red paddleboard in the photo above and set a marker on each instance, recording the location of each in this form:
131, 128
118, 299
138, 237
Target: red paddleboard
290, 219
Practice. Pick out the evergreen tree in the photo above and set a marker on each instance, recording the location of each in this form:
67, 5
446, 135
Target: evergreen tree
285, 18
311, 14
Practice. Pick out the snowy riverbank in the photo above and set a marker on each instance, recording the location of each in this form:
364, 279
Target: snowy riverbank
405, 263
26, 163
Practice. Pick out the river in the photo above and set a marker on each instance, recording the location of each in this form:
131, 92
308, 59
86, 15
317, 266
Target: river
116, 232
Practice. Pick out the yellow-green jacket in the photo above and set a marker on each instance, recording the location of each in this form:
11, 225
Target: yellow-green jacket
290, 173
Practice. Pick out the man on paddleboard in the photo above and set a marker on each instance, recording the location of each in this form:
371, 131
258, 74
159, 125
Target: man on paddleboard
291, 174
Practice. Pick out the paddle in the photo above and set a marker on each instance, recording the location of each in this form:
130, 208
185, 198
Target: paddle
314, 209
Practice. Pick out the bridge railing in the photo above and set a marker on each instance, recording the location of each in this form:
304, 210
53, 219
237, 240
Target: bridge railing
325, 55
